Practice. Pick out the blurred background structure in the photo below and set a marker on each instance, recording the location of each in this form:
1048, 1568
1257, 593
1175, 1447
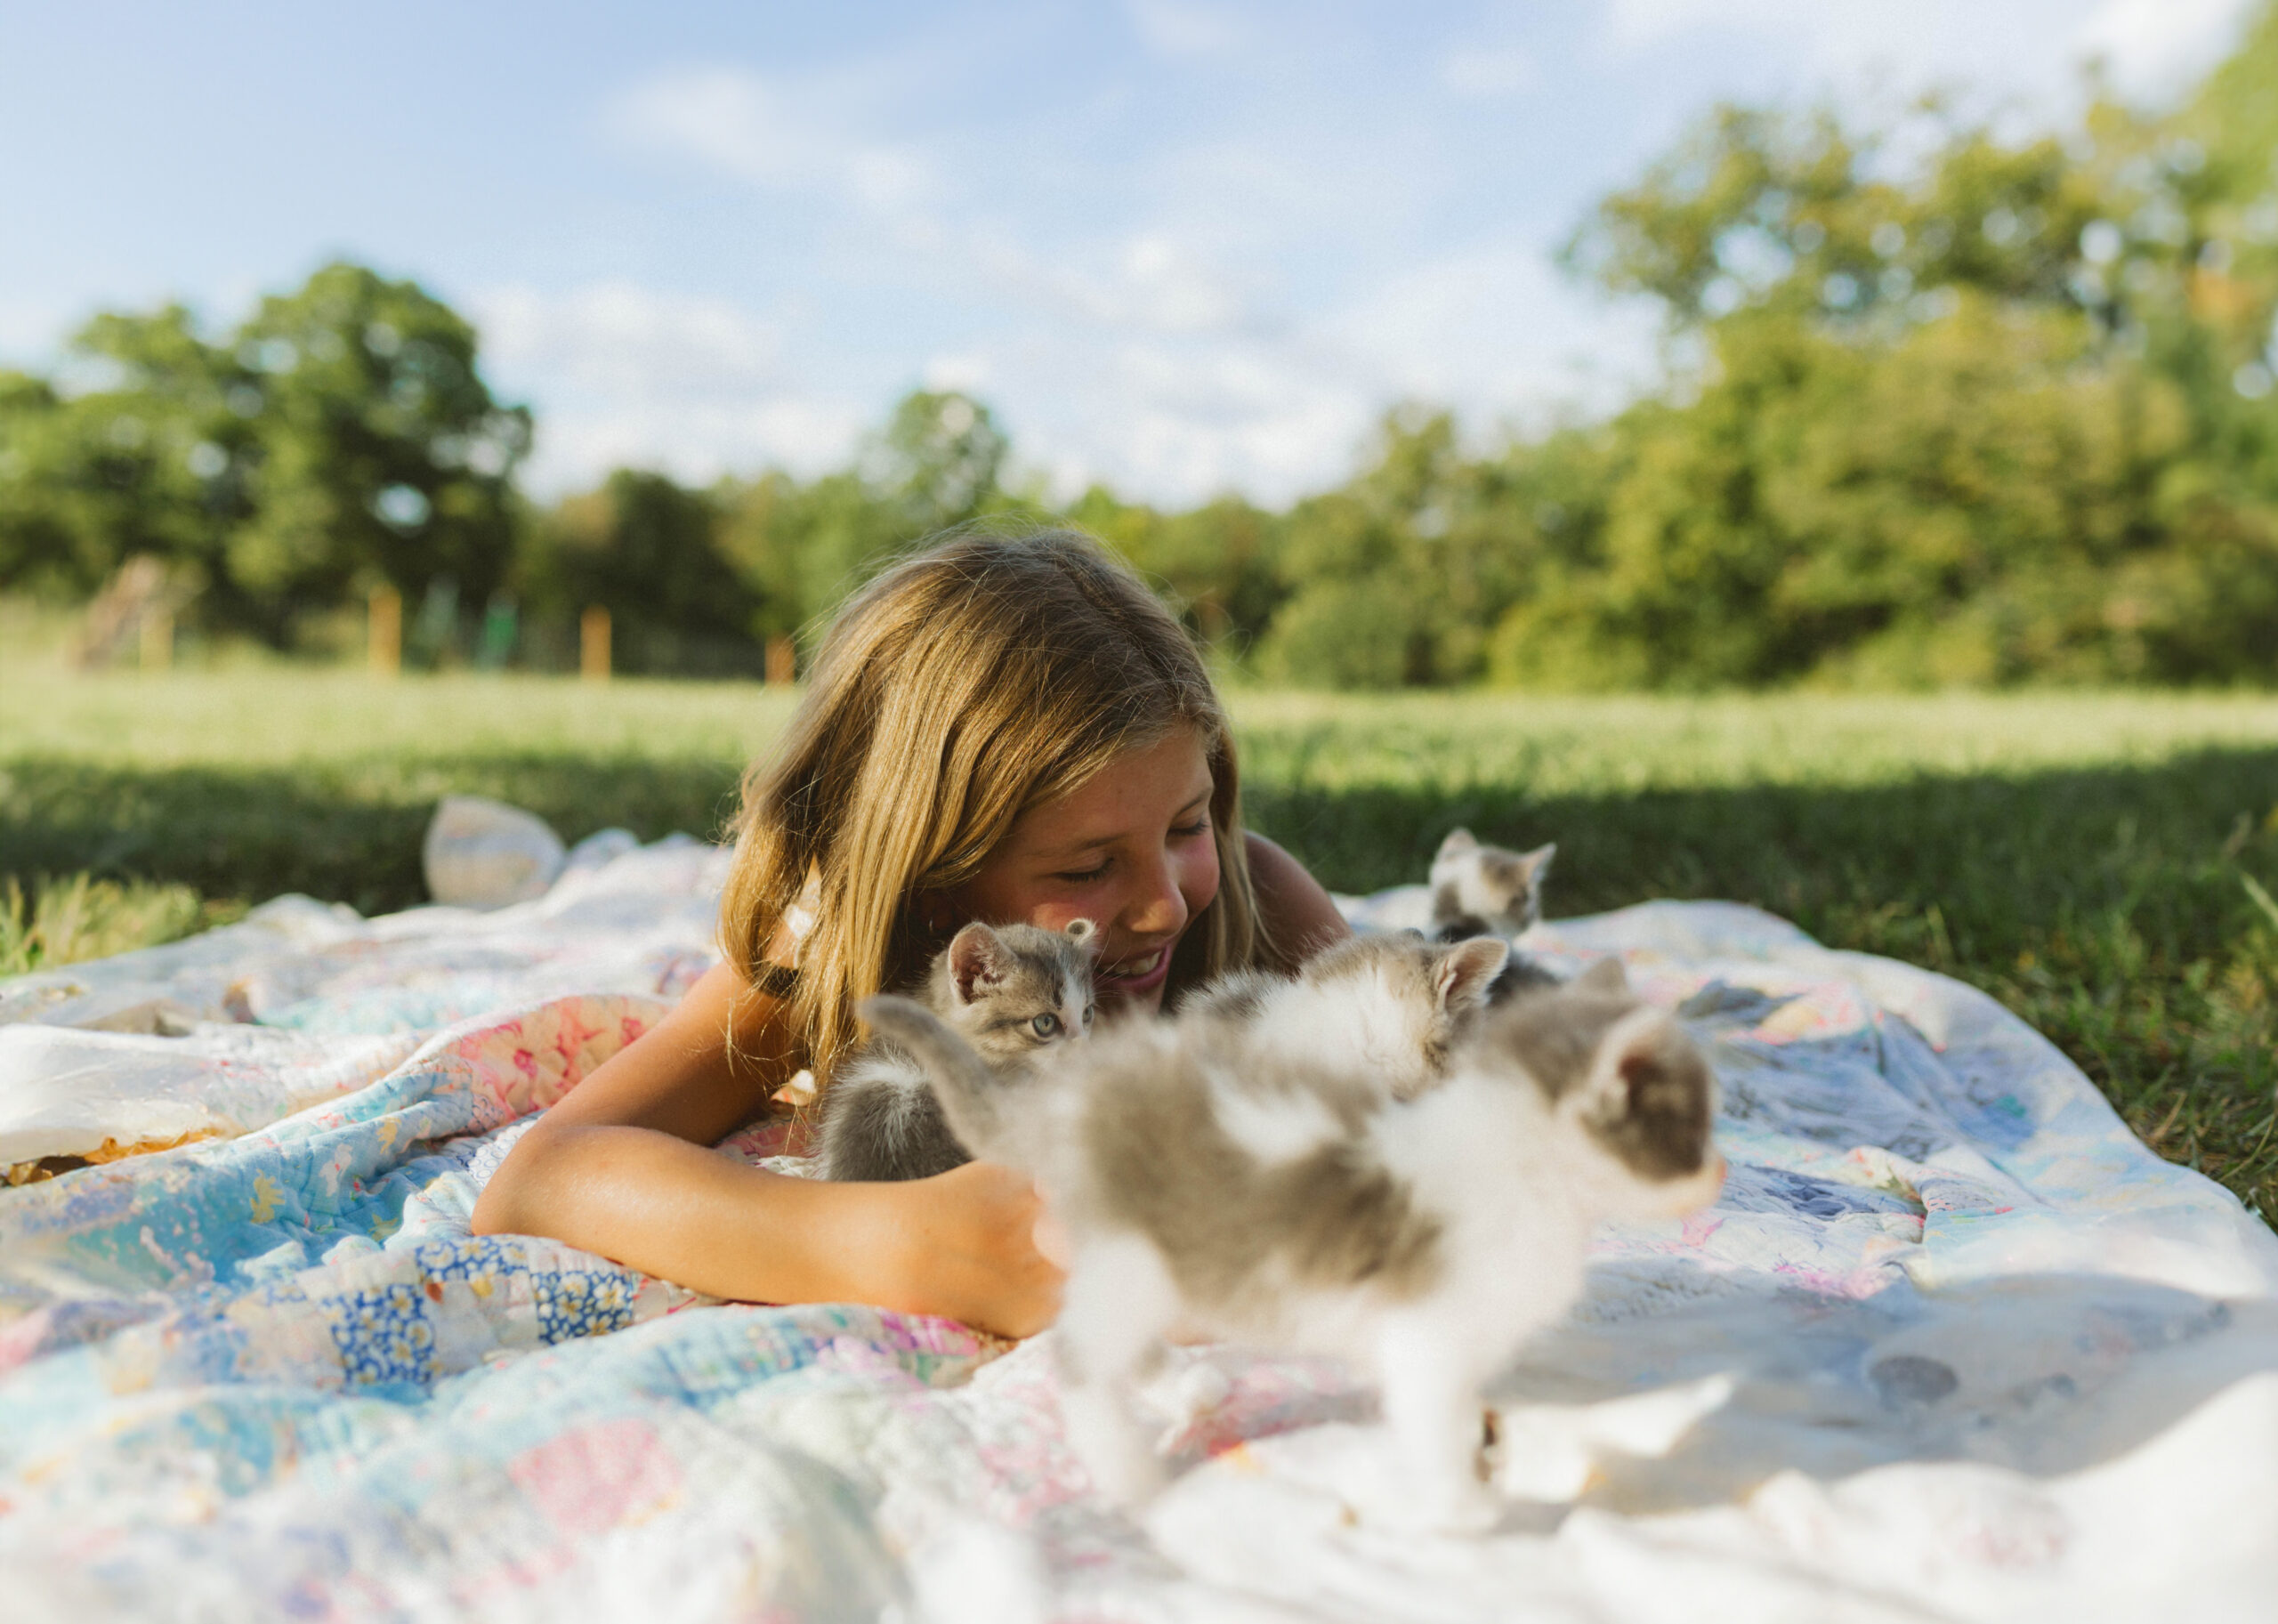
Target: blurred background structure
1601, 345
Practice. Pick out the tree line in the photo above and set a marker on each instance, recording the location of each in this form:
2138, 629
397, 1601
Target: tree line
1943, 405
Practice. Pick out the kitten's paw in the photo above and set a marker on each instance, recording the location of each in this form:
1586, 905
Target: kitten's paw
1378, 1486
1127, 1477
1115, 1454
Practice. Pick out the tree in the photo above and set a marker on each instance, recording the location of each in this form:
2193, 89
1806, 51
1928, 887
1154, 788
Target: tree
1998, 415
649, 551
383, 455
340, 437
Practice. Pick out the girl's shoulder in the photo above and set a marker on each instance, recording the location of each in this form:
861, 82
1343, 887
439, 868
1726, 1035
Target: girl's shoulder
1295, 917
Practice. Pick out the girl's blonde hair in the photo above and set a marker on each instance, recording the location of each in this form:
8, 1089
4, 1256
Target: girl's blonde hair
985, 675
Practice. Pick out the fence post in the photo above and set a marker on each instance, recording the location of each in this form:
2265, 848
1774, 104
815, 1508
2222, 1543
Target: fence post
383, 631
156, 652
593, 644
782, 660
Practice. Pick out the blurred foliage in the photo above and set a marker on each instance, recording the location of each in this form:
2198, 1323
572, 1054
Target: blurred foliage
1947, 404
337, 439
2001, 412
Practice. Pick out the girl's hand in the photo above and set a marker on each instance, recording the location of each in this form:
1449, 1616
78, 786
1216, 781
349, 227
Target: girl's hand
963, 1245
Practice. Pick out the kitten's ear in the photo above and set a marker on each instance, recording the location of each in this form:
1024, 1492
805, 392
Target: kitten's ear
1085, 934
1537, 864
1631, 1058
1606, 975
1467, 969
976, 960
1455, 845
1652, 1100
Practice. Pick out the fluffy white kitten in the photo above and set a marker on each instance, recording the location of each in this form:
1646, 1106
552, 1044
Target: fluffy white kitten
1485, 891
1207, 1180
1391, 1006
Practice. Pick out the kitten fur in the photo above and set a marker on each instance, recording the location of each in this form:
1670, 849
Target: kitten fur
994, 986
1208, 1183
1486, 891
1391, 1006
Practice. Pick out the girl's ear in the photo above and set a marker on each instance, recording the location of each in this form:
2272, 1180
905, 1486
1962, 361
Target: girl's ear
931, 910
976, 961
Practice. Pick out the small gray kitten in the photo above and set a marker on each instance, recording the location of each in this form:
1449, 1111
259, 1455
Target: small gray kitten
1010, 991
1207, 1183
1486, 891
1392, 1005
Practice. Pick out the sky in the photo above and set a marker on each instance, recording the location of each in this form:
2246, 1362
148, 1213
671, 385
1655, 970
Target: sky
1183, 247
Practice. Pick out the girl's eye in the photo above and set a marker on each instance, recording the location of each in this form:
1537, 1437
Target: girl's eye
1045, 1025
1083, 877
1188, 832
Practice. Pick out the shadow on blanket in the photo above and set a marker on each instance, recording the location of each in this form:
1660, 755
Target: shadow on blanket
2043, 1374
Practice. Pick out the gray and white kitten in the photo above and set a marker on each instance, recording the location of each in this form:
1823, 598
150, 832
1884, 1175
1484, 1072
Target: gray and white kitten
1486, 891
1009, 991
1209, 1184
1390, 1005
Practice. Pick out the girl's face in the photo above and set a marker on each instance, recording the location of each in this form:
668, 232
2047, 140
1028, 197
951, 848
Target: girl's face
1132, 851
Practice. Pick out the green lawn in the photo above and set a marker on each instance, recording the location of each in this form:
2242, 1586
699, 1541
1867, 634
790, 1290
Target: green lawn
2090, 860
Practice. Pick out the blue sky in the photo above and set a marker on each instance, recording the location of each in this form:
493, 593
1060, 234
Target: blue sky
1178, 245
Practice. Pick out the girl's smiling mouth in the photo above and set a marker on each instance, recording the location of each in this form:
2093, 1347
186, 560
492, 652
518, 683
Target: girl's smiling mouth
1140, 974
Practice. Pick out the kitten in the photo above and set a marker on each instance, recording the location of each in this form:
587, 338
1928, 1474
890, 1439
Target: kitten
1207, 1183
1486, 891
1391, 1006
1010, 991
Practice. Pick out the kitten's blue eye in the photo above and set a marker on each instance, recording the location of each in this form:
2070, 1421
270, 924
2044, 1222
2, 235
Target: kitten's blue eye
1045, 1025
1091, 1012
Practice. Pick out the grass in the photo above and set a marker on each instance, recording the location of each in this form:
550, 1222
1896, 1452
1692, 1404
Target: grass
2101, 864
80, 916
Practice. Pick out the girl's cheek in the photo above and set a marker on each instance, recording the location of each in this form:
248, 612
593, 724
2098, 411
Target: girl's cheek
1197, 880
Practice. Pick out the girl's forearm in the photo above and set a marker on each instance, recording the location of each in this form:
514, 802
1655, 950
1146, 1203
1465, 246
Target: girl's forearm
687, 1214
961, 1244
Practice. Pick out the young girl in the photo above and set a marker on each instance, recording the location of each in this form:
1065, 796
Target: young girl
1007, 729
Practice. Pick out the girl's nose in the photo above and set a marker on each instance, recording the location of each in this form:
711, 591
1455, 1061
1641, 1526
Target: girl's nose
1159, 908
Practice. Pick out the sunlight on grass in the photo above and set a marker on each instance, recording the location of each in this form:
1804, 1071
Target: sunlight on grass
66, 921
2099, 862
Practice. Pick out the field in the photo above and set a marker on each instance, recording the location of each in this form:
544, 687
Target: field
2101, 864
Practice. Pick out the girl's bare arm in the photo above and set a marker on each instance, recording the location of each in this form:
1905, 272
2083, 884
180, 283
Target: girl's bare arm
622, 1167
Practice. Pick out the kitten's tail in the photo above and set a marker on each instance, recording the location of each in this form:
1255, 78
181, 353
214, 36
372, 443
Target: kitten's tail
971, 1093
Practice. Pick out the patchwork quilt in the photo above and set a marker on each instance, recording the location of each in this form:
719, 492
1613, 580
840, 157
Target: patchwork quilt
1953, 1344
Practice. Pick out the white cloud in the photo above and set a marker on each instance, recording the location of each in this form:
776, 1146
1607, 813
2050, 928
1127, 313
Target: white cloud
1490, 330
2032, 46
2159, 47
32, 331
1493, 329
1152, 281
1245, 417
630, 376
1160, 347
619, 339
694, 442
967, 374
782, 134
1488, 70
1180, 28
